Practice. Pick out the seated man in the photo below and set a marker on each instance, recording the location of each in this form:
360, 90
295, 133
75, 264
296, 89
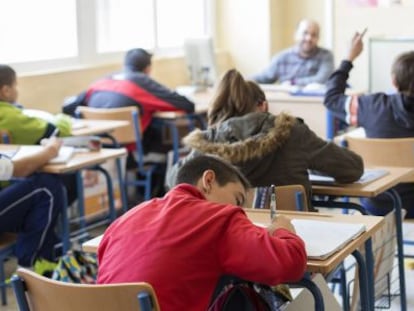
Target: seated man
301, 64
183, 243
30, 206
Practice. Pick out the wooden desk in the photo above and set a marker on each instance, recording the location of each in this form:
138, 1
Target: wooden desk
82, 160
308, 108
77, 162
372, 223
372, 189
94, 127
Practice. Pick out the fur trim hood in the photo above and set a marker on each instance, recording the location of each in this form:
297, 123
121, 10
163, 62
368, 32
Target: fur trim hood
240, 139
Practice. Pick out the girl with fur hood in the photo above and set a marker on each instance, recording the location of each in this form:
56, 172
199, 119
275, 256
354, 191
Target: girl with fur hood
268, 149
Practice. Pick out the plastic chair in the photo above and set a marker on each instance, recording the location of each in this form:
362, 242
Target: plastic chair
7, 244
37, 293
126, 135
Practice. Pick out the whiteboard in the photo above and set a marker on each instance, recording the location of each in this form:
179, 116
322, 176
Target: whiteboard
382, 53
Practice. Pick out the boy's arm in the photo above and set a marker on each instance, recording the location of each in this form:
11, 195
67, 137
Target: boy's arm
342, 106
28, 165
254, 254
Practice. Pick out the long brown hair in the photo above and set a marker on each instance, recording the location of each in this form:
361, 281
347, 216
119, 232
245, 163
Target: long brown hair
234, 97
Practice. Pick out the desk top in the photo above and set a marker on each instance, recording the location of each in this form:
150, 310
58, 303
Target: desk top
86, 127
79, 160
372, 189
372, 223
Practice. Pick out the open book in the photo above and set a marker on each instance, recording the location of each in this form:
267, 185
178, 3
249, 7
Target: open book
368, 176
324, 238
65, 153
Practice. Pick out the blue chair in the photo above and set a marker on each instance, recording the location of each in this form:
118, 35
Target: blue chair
7, 244
34, 292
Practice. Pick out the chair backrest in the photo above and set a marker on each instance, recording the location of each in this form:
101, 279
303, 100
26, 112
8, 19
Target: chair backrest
288, 197
44, 294
124, 135
383, 151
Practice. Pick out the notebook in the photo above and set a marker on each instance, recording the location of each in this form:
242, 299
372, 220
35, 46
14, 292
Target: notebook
368, 176
324, 238
65, 153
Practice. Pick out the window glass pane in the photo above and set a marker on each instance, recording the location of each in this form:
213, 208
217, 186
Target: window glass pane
124, 24
30, 32
179, 19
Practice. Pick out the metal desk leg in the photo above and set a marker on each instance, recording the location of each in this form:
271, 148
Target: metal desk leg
65, 223
122, 187
400, 248
363, 284
122, 190
109, 185
369, 261
81, 201
330, 125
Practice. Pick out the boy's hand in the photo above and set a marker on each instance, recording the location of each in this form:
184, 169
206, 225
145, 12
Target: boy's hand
283, 222
53, 145
356, 46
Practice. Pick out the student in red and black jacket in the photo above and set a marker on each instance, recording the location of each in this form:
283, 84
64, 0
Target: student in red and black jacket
132, 87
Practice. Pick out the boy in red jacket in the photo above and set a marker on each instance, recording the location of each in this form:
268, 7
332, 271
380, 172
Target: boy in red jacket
184, 242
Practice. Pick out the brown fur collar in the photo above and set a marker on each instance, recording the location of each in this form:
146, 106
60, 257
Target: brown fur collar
273, 132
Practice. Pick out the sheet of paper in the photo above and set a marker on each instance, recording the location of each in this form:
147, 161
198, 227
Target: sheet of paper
65, 153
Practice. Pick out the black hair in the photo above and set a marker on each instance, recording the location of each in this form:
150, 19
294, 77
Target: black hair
137, 59
403, 72
7, 75
194, 168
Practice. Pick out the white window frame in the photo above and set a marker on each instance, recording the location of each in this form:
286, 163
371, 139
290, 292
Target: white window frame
87, 50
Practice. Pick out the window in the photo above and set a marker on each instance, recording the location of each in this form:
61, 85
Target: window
153, 24
122, 24
46, 34
30, 33
173, 30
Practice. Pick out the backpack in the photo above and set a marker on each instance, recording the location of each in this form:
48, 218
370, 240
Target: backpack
76, 267
240, 297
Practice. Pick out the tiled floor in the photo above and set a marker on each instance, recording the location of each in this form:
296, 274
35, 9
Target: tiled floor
395, 304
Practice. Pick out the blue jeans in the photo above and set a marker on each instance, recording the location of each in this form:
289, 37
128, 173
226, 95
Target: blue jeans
30, 207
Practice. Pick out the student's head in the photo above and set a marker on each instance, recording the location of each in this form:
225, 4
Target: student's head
235, 97
403, 73
218, 180
138, 60
8, 84
307, 37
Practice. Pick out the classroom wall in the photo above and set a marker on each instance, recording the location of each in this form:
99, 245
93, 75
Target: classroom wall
47, 90
392, 21
244, 32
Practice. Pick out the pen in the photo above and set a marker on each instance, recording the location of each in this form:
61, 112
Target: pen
55, 133
272, 202
363, 32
